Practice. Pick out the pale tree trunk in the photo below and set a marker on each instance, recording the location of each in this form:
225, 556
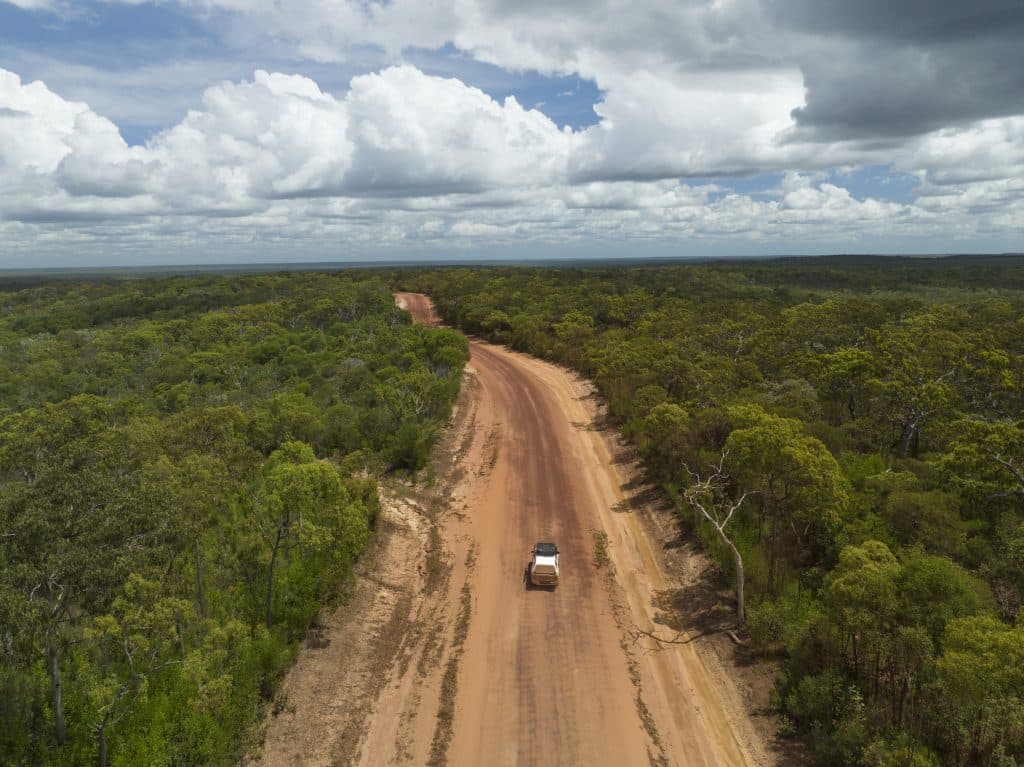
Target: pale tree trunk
58, 698
101, 736
906, 435
741, 613
702, 496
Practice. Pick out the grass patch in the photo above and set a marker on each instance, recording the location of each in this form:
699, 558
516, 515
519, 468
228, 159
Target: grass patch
437, 571
450, 683
601, 557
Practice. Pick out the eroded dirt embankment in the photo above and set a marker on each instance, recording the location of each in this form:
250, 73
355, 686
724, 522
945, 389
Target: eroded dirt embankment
452, 660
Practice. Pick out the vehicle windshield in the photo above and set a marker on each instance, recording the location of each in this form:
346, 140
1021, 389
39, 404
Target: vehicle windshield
545, 549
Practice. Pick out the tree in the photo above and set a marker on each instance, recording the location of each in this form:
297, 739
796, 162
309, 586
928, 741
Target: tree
797, 480
899, 751
934, 590
193, 492
121, 511
842, 375
66, 513
980, 677
302, 501
665, 446
862, 596
574, 331
918, 363
710, 496
135, 640
986, 458
926, 518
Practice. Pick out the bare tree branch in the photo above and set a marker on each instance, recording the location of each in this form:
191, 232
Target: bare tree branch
1011, 467
708, 495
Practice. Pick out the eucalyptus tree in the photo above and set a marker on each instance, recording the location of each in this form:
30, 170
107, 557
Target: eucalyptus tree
713, 496
918, 363
131, 643
303, 503
72, 530
980, 677
800, 487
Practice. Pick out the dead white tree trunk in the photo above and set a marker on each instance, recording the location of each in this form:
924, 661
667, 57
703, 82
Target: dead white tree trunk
709, 496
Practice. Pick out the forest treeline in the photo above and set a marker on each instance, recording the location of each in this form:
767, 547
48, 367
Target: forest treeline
186, 475
862, 421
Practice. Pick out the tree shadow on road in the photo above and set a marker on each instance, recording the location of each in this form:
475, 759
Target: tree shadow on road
701, 608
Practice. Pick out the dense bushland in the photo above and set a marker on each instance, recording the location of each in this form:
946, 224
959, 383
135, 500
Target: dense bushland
864, 420
186, 474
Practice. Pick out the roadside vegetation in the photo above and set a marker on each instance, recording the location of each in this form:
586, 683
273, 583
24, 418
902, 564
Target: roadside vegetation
186, 476
844, 434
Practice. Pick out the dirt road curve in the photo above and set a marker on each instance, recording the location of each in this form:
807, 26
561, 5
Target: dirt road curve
486, 672
553, 678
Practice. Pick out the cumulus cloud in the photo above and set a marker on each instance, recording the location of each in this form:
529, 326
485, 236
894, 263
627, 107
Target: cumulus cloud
689, 92
703, 87
38, 132
984, 151
395, 133
871, 69
32, 5
973, 175
656, 125
405, 158
34, 123
274, 136
426, 134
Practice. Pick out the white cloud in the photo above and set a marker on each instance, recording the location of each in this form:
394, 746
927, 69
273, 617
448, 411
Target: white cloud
277, 135
664, 125
34, 123
871, 68
39, 132
665, 111
407, 160
32, 5
420, 133
973, 176
984, 151
689, 89
395, 133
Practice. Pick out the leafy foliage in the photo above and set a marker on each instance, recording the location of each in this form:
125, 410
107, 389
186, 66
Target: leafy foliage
869, 412
185, 477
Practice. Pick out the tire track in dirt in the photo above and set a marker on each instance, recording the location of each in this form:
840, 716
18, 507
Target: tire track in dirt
557, 677
542, 668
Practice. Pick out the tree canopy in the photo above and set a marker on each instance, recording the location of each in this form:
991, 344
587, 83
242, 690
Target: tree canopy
186, 475
868, 412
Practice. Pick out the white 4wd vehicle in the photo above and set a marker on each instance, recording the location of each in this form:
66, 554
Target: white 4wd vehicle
544, 565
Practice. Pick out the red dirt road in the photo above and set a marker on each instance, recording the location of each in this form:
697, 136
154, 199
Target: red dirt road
556, 677
443, 656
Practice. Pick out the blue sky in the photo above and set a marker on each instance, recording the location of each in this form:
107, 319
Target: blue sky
161, 131
117, 38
